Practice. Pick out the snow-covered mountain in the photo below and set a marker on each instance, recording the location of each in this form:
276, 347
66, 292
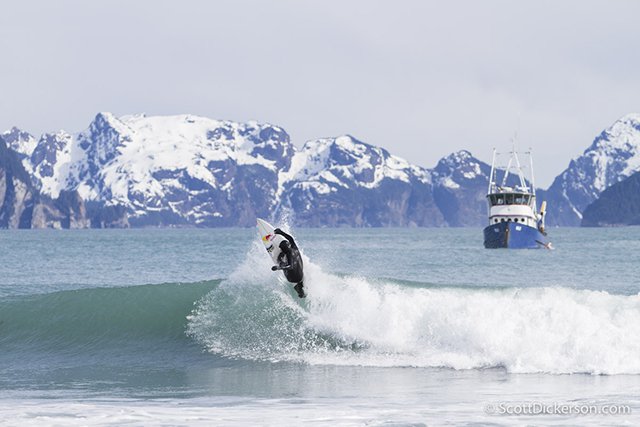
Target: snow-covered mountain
613, 156
23, 206
166, 170
187, 170
460, 189
345, 182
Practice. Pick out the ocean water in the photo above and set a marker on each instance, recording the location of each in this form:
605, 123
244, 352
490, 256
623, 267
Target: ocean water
400, 327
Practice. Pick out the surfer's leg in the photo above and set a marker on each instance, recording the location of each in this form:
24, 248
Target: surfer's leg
299, 290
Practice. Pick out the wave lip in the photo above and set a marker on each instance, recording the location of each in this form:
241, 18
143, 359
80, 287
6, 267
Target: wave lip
356, 321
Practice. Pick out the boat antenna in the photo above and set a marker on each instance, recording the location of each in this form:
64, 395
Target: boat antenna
533, 181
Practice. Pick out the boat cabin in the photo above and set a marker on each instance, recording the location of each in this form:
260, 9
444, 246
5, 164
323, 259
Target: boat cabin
499, 199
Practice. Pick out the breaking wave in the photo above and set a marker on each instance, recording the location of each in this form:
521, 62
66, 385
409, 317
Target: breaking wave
345, 320
357, 321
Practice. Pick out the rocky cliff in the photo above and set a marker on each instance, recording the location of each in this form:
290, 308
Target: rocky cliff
617, 205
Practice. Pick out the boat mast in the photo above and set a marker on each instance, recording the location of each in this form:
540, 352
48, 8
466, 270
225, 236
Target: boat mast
506, 171
533, 182
491, 175
523, 184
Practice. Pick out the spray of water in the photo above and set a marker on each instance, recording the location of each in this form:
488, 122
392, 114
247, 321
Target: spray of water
254, 314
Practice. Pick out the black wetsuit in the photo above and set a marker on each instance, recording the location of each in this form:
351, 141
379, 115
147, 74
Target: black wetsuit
290, 261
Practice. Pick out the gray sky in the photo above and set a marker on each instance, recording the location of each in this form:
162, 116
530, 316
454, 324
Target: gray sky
419, 78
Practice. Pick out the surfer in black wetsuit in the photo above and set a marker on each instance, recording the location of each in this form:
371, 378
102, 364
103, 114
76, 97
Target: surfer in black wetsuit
290, 262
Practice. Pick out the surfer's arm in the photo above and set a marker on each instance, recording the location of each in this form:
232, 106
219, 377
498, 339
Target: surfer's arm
282, 267
286, 236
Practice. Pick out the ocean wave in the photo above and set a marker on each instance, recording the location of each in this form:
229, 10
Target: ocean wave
357, 321
345, 320
98, 317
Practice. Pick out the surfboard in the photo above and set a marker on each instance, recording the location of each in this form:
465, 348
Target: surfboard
270, 240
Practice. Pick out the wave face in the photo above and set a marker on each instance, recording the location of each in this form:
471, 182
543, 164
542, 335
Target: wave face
93, 319
356, 321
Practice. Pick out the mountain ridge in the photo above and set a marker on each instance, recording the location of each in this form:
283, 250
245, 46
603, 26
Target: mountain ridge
187, 170
613, 156
617, 205
23, 206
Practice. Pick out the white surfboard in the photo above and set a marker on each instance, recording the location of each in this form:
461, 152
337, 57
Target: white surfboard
270, 240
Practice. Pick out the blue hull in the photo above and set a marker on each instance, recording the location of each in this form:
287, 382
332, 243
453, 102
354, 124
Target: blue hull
515, 236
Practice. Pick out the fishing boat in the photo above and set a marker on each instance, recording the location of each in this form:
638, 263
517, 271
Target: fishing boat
514, 220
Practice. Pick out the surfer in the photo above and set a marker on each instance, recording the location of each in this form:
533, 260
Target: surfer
290, 262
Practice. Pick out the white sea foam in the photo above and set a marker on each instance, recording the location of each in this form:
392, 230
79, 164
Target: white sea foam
239, 411
192, 412
359, 321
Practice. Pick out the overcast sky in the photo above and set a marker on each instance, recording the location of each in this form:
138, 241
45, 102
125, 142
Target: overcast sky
420, 78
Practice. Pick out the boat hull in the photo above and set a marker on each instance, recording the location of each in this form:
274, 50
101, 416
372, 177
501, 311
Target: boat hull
514, 236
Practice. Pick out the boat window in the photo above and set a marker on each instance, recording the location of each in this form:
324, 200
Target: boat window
516, 220
502, 220
527, 198
519, 199
499, 199
509, 199
495, 220
521, 219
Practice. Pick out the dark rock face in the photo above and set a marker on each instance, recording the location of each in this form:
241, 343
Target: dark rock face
393, 204
101, 216
16, 192
71, 205
65, 212
617, 205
